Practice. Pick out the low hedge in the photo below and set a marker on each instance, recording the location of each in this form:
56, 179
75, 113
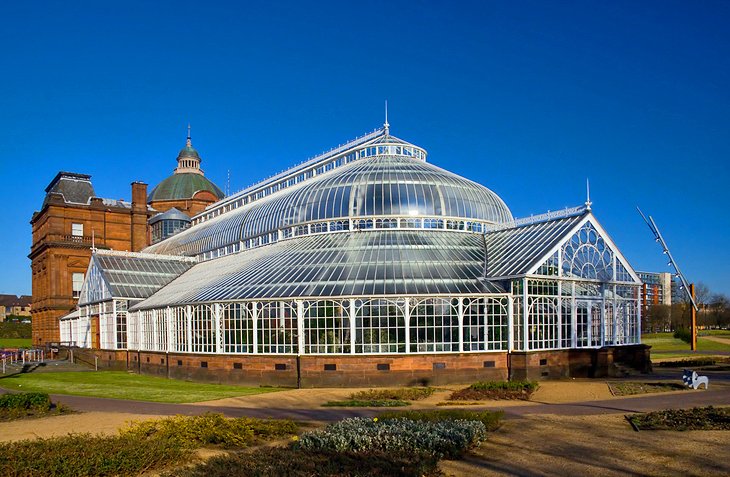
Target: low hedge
81, 455
17, 401
140, 447
688, 363
211, 429
28, 405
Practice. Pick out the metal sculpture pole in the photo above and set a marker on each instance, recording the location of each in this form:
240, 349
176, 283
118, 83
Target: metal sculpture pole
693, 312
688, 289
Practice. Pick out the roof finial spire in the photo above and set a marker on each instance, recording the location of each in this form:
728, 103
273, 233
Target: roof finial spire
386, 126
588, 195
189, 142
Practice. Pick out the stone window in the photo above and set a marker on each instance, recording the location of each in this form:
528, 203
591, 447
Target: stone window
77, 280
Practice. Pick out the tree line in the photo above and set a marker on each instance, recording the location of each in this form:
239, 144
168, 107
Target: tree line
713, 313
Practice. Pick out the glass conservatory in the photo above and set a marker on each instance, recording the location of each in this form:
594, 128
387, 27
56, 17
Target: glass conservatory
365, 250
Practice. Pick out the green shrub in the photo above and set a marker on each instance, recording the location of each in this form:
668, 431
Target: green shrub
530, 386
363, 403
289, 462
23, 405
490, 419
688, 363
15, 330
80, 455
496, 390
399, 394
194, 431
142, 446
683, 334
403, 436
24, 401
698, 418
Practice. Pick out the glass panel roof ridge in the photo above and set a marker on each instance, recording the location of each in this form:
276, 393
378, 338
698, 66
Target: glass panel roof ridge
332, 158
142, 255
378, 186
544, 217
516, 250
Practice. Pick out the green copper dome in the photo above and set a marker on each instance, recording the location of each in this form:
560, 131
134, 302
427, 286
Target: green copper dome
187, 180
189, 151
183, 186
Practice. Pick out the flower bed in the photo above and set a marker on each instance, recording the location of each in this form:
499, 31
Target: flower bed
698, 418
496, 390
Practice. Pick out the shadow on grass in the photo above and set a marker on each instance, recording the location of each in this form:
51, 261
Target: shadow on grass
27, 368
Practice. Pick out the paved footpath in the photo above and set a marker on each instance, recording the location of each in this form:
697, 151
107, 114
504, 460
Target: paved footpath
718, 394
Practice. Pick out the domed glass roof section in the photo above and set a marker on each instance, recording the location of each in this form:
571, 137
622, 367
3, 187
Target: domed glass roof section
187, 180
388, 178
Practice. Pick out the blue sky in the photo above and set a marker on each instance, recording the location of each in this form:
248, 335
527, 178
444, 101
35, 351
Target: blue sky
527, 98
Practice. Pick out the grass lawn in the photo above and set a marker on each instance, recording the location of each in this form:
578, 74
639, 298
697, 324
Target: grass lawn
123, 385
15, 342
663, 343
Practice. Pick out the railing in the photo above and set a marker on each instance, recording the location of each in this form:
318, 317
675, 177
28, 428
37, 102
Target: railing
68, 238
350, 224
534, 219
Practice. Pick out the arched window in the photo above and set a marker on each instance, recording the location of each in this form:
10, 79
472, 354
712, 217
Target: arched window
434, 325
380, 325
326, 327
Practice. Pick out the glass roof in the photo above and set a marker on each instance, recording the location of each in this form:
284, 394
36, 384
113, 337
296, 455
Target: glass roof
363, 263
127, 275
388, 185
514, 251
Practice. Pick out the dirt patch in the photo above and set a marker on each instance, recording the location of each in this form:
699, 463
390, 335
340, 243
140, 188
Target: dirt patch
599, 445
556, 392
107, 423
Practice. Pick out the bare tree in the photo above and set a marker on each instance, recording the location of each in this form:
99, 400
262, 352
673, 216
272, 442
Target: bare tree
657, 319
719, 310
702, 294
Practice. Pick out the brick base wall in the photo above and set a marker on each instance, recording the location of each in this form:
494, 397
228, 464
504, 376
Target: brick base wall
368, 370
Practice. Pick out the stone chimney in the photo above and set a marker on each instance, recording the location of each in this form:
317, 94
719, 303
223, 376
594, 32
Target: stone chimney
139, 195
139, 216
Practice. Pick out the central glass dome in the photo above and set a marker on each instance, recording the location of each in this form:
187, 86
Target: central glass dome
379, 187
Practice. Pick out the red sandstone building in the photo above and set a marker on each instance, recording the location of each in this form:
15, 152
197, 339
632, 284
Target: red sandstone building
73, 219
